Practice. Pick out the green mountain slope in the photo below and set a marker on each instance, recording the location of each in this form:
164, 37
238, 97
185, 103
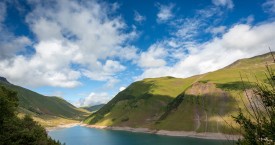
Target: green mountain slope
94, 108
200, 103
43, 106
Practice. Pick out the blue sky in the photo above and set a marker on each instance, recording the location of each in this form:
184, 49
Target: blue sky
88, 51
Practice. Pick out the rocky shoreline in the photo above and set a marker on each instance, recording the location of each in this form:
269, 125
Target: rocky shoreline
207, 135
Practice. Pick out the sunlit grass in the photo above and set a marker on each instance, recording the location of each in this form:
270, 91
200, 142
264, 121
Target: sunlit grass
143, 103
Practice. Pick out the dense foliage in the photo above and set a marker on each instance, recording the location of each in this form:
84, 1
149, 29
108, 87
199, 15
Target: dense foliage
17, 131
257, 121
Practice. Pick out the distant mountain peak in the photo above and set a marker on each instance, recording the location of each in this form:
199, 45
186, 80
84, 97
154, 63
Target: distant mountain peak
2, 79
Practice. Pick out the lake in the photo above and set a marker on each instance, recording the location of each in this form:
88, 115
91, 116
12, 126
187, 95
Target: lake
80, 135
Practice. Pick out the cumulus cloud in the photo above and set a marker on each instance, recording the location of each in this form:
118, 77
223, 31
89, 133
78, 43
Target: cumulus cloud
138, 17
165, 12
122, 88
240, 41
46, 67
105, 72
93, 99
225, 3
74, 39
128, 53
154, 57
9, 43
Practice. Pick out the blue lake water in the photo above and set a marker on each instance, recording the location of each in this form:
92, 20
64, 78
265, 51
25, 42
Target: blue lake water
80, 135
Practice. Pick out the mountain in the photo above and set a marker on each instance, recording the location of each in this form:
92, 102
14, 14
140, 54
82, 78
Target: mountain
4, 80
94, 108
44, 108
200, 103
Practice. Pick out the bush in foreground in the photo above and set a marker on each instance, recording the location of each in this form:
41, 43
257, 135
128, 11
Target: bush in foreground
257, 121
16, 131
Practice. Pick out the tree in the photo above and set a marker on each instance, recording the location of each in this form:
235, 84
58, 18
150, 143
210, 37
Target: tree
8, 103
257, 121
16, 131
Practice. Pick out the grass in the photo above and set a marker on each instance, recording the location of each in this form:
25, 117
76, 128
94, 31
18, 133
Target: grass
93, 108
50, 121
44, 108
200, 103
143, 98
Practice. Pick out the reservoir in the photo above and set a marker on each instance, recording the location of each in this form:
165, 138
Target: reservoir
80, 135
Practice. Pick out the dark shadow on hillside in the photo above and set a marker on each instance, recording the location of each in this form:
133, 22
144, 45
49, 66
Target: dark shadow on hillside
235, 86
222, 105
173, 105
203, 81
214, 104
131, 94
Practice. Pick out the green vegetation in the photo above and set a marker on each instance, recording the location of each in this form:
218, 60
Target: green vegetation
200, 103
16, 131
144, 99
257, 120
44, 109
93, 108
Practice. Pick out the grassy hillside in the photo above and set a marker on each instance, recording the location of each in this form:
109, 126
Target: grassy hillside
94, 108
200, 103
44, 108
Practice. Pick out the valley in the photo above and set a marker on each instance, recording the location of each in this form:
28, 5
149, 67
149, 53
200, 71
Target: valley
48, 111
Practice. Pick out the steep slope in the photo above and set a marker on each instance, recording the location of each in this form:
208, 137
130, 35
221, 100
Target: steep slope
43, 106
200, 103
141, 103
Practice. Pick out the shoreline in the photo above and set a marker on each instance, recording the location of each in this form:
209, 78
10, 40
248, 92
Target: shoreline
62, 126
207, 135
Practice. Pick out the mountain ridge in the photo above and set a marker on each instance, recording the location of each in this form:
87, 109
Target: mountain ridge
94, 107
44, 107
4, 80
198, 103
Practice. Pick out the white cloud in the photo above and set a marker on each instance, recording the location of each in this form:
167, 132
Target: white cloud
218, 30
69, 33
47, 30
104, 72
10, 44
46, 67
154, 57
238, 42
250, 19
187, 29
113, 66
128, 53
93, 99
225, 3
111, 83
122, 88
165, 12
138, 17
269, 6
